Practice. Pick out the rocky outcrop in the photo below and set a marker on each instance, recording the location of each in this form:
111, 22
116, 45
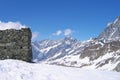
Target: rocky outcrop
16, 44
117, 68
97, 50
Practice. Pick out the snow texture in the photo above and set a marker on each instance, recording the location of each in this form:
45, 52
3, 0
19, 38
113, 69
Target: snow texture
11, 25
19, 70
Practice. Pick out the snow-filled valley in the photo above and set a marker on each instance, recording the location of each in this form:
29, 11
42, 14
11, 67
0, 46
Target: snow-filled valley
20, 70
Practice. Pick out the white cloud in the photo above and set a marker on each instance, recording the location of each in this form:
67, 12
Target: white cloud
35, 35
59, 32
11, 25
67, 32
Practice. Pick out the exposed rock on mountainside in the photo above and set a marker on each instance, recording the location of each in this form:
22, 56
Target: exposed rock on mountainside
112, 31
16, 44
110, 52
117, 68
108, 42
97, 50
98, 53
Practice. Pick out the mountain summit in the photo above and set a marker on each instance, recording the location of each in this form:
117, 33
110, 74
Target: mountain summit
117, 21
98, 53
112, 31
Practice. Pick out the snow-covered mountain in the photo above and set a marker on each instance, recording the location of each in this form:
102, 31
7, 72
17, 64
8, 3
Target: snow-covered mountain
51, 50
99, 53
112, 31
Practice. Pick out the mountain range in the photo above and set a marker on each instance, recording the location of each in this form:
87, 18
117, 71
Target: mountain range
101, 53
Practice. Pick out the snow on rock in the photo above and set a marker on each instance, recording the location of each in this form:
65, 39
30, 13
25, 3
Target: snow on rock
95, 54
117, 20
19, 70
11, 25
111, 32
109, 24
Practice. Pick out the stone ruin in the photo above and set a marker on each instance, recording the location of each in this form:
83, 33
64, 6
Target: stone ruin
16, 44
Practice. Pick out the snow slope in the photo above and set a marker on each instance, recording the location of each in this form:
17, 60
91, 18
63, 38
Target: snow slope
19, 70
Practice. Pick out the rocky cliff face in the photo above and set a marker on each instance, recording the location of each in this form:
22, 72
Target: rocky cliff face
16, 44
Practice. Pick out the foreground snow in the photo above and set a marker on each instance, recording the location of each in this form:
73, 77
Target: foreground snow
19, 70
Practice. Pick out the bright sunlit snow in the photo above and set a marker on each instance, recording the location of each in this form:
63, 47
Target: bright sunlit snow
19, 70
11, 25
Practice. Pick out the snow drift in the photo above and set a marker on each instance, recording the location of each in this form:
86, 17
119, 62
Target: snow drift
19, 70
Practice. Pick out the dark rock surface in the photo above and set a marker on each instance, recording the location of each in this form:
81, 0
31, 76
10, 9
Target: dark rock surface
16, 44
97, 50
117, 68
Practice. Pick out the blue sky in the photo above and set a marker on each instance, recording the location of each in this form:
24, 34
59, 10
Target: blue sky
55, 19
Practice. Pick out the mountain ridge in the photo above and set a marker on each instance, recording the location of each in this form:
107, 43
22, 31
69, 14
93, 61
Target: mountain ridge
101, 53
112, 31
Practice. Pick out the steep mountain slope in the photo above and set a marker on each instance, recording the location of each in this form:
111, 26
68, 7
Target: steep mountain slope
99, 53
112, 31
109, 44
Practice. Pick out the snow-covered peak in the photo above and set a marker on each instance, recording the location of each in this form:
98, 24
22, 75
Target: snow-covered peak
11, 25
109, 24
68, 38
117, 20
112, 31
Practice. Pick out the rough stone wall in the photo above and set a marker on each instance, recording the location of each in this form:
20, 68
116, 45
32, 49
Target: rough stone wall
16, 44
